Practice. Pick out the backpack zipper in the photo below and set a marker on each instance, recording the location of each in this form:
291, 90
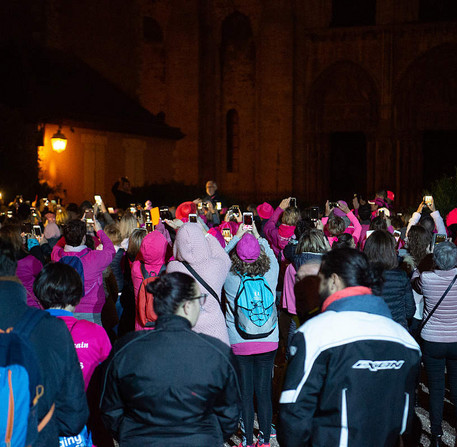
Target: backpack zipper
10, 422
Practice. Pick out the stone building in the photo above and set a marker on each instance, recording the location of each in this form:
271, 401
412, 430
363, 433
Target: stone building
315, 98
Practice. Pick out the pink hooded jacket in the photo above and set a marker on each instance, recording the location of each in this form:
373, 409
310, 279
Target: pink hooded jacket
153, 252
212, 263
94, 262
276, 236
27, 271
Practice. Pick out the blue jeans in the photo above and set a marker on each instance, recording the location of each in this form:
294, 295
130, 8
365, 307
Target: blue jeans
255, 375
436, 357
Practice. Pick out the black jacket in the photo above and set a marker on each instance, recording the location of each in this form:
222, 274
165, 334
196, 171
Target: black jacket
170, 386
59, 367
351, 378
398, 295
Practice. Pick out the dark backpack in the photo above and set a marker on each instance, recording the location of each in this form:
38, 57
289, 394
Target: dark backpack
76, 263
20, 383
145, 309
255, 309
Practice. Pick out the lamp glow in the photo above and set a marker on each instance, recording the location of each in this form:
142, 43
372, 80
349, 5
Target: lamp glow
59, 141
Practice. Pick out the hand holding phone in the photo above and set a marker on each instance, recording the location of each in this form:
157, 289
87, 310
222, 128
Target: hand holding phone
226, 234
36, 231
89, 215
247, 220
149, 227
193, 218
314, 213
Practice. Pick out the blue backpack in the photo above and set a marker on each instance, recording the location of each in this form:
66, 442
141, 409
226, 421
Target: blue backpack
255, 309
76, 263
20, 383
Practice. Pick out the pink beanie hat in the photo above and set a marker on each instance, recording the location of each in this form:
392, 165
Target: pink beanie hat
248, 248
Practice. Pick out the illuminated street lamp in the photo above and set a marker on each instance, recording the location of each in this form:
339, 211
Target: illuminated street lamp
59, 141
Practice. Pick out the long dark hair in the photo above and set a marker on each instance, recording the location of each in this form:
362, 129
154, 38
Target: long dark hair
380, 249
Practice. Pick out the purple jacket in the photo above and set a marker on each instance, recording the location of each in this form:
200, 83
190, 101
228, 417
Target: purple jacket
27, 270
94, 262
277, 242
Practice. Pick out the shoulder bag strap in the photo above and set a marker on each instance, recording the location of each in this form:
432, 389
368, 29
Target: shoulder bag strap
438, 303
201, 280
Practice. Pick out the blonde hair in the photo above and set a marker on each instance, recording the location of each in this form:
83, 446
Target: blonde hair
313, 241
127, 224
113, 232
291, 216
137, 236
61, 216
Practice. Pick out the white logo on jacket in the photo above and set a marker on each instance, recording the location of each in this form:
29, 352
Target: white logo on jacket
377, 365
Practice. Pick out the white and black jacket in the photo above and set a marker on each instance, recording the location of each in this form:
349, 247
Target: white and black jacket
351, 378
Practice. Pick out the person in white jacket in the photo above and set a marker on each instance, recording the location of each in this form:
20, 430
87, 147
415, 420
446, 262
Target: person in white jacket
436, 221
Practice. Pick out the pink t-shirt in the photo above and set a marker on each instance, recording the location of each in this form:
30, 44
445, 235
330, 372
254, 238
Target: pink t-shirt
91, 342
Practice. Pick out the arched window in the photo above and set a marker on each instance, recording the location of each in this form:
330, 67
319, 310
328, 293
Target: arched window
233, 140
236, 31
152, 32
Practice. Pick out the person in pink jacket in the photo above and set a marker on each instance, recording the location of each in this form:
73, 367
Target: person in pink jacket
279, 237
93, 261
206, 256
153, 254
340, 212
59, 289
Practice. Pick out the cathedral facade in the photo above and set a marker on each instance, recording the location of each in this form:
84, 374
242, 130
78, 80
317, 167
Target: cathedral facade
319, 98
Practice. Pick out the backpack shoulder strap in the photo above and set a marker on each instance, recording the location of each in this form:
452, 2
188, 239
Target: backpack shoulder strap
144, 272
28, 321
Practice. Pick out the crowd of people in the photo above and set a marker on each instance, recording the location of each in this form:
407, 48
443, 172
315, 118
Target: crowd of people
162, 325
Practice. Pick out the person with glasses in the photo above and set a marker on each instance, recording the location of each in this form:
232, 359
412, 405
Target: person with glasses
171, 385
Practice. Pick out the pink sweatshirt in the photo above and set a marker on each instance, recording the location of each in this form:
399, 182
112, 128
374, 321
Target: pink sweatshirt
355, 230
91, 342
